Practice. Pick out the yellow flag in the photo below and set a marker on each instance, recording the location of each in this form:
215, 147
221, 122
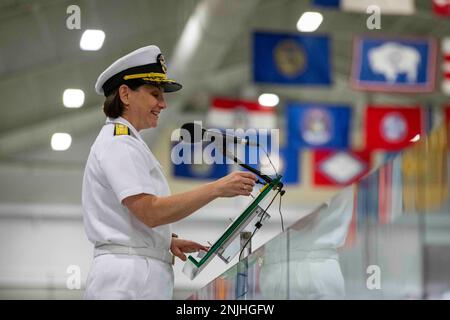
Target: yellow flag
424, 173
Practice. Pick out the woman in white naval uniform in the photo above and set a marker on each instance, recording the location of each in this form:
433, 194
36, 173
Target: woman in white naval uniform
126, 200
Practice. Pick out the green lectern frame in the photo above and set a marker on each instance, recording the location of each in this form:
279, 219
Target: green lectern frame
193, 266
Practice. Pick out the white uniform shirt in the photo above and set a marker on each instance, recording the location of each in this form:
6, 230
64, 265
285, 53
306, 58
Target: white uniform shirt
120, 166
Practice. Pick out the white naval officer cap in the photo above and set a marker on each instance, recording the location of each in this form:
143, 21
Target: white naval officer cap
144, 65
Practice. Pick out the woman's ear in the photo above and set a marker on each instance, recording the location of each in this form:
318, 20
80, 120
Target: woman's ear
124, 91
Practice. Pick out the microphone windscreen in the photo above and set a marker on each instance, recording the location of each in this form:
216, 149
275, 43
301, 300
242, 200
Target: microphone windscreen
191, 132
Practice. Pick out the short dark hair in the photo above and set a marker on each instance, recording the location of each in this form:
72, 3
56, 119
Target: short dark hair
113, 106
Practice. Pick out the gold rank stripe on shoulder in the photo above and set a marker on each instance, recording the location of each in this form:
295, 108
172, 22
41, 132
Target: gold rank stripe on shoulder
121, 130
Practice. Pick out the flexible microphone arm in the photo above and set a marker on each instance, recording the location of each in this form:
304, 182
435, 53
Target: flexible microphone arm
249, 168
192, 128
266, 178
230, 155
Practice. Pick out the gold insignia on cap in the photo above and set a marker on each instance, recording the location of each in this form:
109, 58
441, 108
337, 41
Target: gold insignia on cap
153, 76
121, 130
162, 62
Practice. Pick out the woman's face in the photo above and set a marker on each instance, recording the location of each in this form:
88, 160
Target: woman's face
145, 104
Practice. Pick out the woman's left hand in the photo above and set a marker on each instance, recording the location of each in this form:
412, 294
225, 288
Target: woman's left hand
181, 246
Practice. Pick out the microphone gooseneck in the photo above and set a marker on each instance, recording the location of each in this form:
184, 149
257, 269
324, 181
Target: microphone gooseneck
192, 132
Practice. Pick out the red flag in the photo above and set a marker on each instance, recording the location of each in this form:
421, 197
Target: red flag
441, 7
339, 167
447, 121
446, 66
392, 128
236, 113
447, 115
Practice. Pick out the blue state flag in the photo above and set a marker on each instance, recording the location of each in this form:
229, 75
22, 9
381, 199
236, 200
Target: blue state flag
290, 166
291, 58
313, 125
284, 161
327, 3
368, 199
198, 161
394, 64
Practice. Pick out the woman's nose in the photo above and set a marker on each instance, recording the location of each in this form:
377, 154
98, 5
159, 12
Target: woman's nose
162, 103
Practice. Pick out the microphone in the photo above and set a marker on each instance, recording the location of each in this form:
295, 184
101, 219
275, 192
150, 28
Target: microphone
198, 134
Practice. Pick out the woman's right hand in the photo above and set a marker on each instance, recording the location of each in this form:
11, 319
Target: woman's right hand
236, 184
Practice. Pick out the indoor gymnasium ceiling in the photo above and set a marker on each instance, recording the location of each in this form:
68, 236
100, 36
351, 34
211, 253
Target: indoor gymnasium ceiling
40, 57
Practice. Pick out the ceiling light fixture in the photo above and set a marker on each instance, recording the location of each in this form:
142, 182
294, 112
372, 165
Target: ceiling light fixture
73, 98
309, 21
92, 40
268, 99
61, 141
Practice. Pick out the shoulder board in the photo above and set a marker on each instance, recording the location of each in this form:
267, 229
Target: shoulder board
121, 130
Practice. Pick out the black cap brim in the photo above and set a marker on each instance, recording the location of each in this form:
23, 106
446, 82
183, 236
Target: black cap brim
171, 86
167, 86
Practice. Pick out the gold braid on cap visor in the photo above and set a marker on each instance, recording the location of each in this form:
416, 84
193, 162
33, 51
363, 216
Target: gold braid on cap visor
153, 76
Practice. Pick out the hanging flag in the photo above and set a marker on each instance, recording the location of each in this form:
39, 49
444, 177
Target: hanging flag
390, 155
339, 168
380, 193
396, 189
352, 233
385, 193
221, 114
314, 125
283, 161
400, 7
392, 128
226, 113
446, 66
441, 7
447, 115
198, 161
287, 58
262, 143
368, 199
447, 121
287, 164
394, 65
427, 119
326, 3
424, 174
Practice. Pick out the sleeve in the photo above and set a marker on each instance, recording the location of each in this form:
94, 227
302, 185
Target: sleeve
127, 168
